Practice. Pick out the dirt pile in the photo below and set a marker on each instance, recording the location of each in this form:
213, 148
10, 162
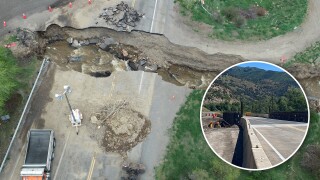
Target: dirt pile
123, 17
28, 44
124, 127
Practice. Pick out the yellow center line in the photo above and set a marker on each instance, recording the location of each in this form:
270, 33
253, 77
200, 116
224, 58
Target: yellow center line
296, 128
92, 166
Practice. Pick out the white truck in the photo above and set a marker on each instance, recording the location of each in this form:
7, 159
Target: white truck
39, 154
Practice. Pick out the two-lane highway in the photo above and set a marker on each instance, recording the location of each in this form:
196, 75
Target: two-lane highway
279, 138
156, 12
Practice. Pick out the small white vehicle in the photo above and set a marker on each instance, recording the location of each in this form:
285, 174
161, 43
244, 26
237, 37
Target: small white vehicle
75, 118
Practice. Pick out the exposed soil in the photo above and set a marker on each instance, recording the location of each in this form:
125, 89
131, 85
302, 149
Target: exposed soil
176, 64
311, 86
309, 77
13, 103
7, 128
310, 159
41, 98
118, 128
304, 71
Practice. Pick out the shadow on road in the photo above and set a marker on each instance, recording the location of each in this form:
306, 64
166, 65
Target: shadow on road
238, 151
60, 3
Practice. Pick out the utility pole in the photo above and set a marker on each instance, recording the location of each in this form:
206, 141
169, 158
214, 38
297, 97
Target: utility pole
70, 108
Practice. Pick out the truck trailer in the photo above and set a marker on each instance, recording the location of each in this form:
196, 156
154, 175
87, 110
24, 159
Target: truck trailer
39, 155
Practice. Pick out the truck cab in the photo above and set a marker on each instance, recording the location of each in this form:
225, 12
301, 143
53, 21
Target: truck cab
34, 174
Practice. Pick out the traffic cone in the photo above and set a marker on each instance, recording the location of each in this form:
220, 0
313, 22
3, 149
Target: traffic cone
4, 24
70, 4
50, 9
89, 1
283, 59
24, 16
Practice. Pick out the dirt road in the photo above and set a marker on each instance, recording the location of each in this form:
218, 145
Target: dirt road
270, 50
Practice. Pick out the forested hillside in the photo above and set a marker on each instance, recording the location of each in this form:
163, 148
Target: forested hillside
261, 91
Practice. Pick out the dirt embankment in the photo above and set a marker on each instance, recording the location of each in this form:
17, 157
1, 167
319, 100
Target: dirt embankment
100, 51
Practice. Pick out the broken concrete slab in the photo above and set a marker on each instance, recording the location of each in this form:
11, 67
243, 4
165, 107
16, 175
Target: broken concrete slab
122, 16
75, 43
151, 68
70, 40
132, 66
105, 42
94, 40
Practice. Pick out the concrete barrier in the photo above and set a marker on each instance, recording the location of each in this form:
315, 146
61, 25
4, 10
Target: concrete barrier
254, 156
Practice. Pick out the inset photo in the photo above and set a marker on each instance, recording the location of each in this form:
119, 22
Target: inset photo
255, 115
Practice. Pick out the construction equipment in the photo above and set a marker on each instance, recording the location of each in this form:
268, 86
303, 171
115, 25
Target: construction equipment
75, 119
39, 155
75, 116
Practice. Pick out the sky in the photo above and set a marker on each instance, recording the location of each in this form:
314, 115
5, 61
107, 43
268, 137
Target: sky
261, 65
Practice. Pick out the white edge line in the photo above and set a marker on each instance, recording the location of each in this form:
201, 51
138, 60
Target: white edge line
273, 148
141, 82
64, 149
278, 125
154, 14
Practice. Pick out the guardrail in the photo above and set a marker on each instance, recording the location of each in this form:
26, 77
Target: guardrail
44, 64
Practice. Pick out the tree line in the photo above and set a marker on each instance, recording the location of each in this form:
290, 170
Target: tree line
292, 100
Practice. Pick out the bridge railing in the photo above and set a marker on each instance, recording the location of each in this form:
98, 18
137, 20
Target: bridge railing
290, 116
231, 117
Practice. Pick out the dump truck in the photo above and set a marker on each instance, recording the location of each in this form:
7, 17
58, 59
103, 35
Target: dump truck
39, 155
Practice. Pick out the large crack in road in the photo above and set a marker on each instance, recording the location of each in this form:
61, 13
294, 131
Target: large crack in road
177, 64
127, 51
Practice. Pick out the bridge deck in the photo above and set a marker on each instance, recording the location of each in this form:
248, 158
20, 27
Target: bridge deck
278, 138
